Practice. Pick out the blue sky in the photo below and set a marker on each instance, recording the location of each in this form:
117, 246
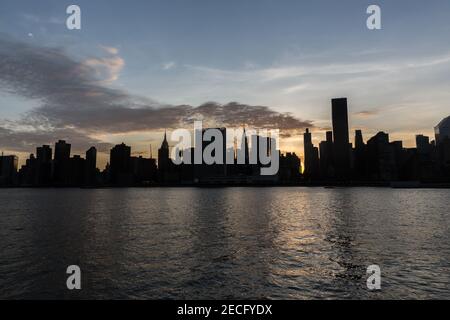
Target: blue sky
292, 56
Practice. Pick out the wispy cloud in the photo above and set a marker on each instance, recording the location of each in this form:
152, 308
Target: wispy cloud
295, 88
366, 113
32, 18
298, 71
169, 65
110, 50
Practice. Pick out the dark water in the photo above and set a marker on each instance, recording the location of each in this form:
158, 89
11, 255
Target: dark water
277, 243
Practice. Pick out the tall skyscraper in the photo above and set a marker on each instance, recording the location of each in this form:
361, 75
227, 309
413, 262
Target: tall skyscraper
43, 165
359, 142
62, 150
326, 156
91, 166
311, 157
76, 171
120, 169
307, 151
381, 162
359, 157
341, 144
164, 175
163, 154
8, 169
61, 162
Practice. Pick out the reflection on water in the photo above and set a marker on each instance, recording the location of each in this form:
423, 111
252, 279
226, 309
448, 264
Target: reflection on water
276, 243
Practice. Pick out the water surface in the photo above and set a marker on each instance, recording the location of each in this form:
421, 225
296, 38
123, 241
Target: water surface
225, 243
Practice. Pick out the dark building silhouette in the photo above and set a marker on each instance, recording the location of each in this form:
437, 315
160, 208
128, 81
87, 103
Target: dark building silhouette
311, 157
423, 144
8, 170
359, 157
27, 172
341, 143
290, 168
442, 130
61, 163
442, 134
43, 166
424, 158
90, 170
382, 158
120, 165
443, 155
217, 170
359, 141
167, 173
326, 157
76, 171
163, 154
144, 170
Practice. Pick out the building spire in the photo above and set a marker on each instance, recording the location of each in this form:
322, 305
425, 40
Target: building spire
165, 144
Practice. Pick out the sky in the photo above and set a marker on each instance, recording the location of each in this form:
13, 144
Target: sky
137, 68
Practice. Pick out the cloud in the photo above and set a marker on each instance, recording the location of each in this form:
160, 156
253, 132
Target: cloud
76, 103
283, 72
107, 69
110, 50
366, 113
295, 88
169, 65
32, 18
27, 141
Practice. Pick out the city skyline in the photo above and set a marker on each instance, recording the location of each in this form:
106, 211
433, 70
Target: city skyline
129, 81
335, 160
314, 139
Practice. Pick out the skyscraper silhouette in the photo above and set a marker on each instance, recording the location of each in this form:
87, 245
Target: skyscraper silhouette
120, 170
311, 157
163, 154
91, 166
43, 165
341, 139
61, 162
423, 144
326, 156
8, 169
359, 141
307, 150
360, 157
